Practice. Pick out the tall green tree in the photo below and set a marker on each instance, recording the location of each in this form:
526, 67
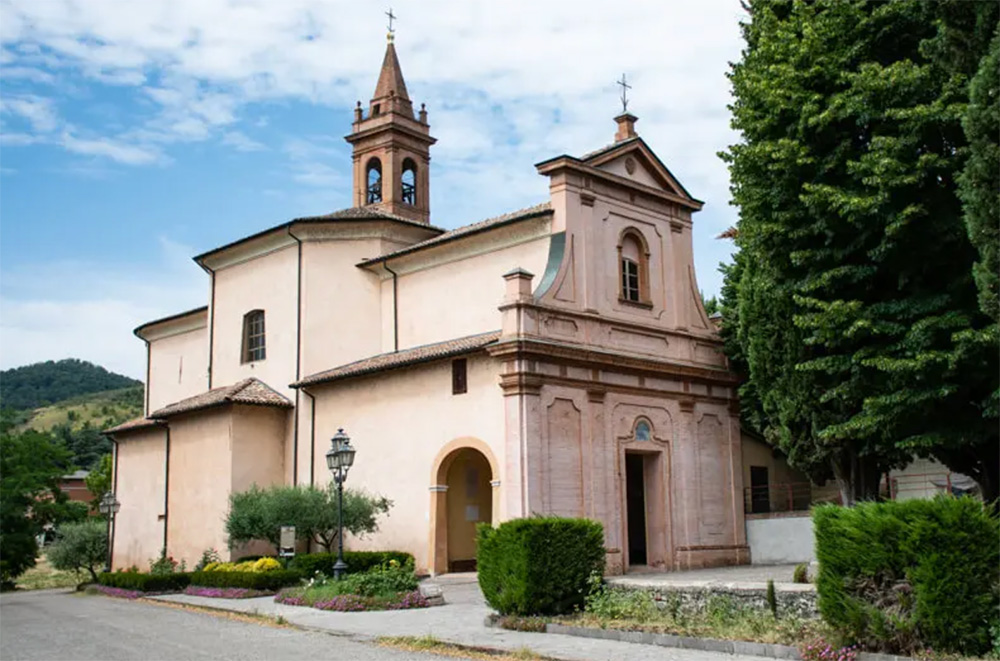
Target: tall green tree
99, 481
31, 465
855, 275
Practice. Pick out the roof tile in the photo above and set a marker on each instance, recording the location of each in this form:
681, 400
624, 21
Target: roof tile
458, 232
387, 361
248, 391
134, 425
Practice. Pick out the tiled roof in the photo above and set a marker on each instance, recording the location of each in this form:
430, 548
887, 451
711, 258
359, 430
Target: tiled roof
133, 425
466, 230
607, 148
248, 391
364, 213
387, 361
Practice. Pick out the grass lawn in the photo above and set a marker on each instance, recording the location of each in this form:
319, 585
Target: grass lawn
433, 645
42, 577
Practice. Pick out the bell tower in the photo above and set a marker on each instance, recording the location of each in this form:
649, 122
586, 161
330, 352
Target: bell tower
392, 147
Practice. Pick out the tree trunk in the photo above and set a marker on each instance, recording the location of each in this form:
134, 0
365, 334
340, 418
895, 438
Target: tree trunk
93, 574
857, 477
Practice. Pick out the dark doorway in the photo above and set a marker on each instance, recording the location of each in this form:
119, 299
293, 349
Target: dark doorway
760, 492
635, 502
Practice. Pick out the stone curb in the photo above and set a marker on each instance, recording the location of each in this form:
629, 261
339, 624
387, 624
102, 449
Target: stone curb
742, 647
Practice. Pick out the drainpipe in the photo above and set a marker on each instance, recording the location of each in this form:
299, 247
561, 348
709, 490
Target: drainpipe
211, 321
114, 488
395, 307
312, 436
166, 489
298, 360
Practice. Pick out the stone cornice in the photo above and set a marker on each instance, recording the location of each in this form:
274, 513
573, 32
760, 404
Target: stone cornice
575, 165
184, 322
543, 349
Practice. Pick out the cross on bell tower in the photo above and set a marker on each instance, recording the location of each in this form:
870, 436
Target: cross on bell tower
392, 147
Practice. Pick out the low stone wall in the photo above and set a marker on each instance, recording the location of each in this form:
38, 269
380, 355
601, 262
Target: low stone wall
793, 599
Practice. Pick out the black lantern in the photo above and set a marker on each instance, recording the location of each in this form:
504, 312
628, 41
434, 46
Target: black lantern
339, 460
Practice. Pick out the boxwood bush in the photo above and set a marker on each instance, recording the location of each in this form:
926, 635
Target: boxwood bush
904, 576
271, 580
538, 566
131, 580
357, 561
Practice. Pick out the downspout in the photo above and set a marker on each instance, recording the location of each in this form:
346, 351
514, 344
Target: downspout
114, 488
145, 410
312, 437
211, 322
166, 489
298, 360
395, 307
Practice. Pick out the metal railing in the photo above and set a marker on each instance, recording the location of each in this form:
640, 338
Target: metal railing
777, 497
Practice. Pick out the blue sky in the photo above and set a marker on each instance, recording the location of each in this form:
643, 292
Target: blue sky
135, 135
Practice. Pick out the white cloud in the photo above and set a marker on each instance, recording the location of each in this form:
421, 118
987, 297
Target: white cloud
241, 142
110, 148
38, 111
88, 310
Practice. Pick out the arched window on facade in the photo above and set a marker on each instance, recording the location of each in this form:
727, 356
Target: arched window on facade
633, 260
409, 182
643, 432
373, 176
253, 337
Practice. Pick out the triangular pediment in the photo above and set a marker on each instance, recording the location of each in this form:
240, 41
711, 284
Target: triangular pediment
634, 160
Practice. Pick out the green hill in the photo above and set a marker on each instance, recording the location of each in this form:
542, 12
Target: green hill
42, 384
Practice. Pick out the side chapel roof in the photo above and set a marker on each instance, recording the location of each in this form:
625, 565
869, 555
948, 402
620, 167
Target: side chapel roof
250, 391
404, 358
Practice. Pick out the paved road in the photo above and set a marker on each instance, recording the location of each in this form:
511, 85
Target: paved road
53, 625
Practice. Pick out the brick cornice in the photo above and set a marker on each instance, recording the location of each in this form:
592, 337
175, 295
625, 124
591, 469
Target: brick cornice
586, 357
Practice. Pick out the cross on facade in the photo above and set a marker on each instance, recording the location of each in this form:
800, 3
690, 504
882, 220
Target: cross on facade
392, 17
625, 88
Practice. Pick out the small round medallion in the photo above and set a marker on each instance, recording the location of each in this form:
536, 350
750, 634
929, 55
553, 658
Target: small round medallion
630, 165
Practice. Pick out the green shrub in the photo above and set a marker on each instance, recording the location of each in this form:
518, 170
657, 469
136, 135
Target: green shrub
620, 604
538, 566
772, 598
271, 580
801, 573
904, 576
80, 546
357, 561
145, 582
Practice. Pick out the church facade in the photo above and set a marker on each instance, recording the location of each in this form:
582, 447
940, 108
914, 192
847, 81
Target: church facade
552, 360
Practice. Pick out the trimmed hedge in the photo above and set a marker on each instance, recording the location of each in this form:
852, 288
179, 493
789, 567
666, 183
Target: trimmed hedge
538, 566
904, 576
357, 561
269, 580
131, 580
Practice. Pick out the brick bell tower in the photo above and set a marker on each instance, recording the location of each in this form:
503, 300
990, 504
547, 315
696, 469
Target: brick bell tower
392, 148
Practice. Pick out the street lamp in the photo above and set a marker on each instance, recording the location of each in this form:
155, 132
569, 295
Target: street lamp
339, 459
109, 507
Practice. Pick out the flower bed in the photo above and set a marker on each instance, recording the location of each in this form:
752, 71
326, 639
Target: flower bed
353, 602
116, 592
226, 593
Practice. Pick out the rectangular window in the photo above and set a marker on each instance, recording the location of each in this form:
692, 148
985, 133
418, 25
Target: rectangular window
630, 280
253, 337
459, 384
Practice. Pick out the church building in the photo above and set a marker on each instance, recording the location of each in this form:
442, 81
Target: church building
551, 360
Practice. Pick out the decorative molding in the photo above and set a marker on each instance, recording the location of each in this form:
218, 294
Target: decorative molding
587, 199
596, 396
687, 405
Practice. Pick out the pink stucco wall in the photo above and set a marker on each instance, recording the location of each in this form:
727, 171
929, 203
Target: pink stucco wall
138, 535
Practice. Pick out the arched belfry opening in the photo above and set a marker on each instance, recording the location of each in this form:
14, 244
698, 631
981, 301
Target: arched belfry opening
390, 135
373, 190
464, 493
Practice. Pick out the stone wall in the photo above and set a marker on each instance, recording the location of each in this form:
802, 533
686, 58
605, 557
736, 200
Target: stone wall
780, 539
792, 599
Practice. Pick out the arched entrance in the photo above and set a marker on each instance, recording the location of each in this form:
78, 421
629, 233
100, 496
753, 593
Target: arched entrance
462, 496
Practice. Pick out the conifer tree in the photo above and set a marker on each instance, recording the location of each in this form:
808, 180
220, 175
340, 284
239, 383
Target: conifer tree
855, 276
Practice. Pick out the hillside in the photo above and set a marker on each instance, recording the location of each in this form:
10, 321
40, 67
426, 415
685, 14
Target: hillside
100, 410
42, 384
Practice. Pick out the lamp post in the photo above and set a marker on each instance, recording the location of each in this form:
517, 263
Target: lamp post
339, 459
109, 507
